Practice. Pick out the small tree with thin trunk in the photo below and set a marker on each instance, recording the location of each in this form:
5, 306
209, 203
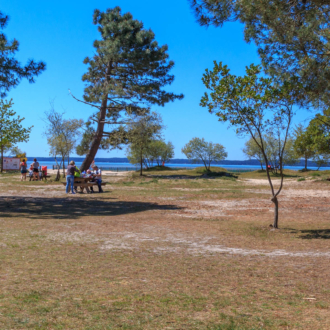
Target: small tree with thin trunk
141, 131
318, 131
252, 151
273, 150
255, 106
62, 135
303, 143
198, 150
160, 152
11, 130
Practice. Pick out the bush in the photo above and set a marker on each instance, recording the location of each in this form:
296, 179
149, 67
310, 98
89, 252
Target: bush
159, 168
315, 174
213, 169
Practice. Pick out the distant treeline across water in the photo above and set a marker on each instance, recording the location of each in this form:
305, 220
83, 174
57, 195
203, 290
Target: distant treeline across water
123, 162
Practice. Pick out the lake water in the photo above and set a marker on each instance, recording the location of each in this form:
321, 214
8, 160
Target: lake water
130, 167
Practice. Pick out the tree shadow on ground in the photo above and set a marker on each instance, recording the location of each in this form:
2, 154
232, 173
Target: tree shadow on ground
72, 208
315, 233
312, 233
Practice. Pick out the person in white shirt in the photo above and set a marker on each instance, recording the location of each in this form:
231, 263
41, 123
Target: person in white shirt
97, 175
35, 166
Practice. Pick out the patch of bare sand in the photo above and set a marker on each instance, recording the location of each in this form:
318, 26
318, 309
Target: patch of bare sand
276, 182
221, 208
164, 241
117, 174
304, 193
200, 189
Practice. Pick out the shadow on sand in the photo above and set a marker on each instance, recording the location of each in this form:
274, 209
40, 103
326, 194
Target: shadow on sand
311, 233
315, 233
72, 208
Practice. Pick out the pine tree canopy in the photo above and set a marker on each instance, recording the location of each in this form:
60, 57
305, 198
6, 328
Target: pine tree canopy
129, 67
292, 37
126, 75
11, 71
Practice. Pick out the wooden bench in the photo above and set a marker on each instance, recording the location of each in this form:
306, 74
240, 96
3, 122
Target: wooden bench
39, 177
84, 185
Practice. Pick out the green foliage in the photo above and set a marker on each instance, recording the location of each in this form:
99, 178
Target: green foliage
159, 151
321, 160
292, 38
62, 134
303, 143
141, 131
18, 153
272, 151
159, 168
126, 75
315, 174
289, 156
85, 144
253, 105
199, 150
252, 151
11, 130
319, 130
11, 71
155, 151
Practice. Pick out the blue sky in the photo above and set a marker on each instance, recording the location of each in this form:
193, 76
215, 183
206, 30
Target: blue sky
61, 33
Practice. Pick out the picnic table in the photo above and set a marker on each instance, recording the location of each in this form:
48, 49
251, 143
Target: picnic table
84, 184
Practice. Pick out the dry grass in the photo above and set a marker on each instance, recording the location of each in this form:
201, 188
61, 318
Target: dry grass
171, 250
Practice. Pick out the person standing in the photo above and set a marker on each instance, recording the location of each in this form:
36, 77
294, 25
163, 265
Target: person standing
23, 168
70, 177
35, 166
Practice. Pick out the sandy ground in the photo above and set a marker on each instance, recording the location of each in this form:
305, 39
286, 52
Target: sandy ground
215, 233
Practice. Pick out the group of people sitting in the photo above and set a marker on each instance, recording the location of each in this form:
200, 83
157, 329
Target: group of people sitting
33, 171
72, 172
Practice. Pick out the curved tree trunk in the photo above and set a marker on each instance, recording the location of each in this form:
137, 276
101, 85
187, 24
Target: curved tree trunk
141, 160
99, 132
306, 163
275, 201
63, 166
1, 159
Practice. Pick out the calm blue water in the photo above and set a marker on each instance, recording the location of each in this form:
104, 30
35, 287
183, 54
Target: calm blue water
123, 166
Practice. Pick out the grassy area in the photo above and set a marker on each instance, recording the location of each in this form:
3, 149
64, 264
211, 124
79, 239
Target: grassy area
174, 249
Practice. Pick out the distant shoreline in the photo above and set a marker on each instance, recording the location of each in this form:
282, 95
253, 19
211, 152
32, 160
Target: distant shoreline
172, 161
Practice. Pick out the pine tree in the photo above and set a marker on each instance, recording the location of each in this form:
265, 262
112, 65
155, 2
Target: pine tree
125, 76
292, 36
11, 71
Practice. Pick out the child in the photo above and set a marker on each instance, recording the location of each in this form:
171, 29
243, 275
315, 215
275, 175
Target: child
23, 168
31, 172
